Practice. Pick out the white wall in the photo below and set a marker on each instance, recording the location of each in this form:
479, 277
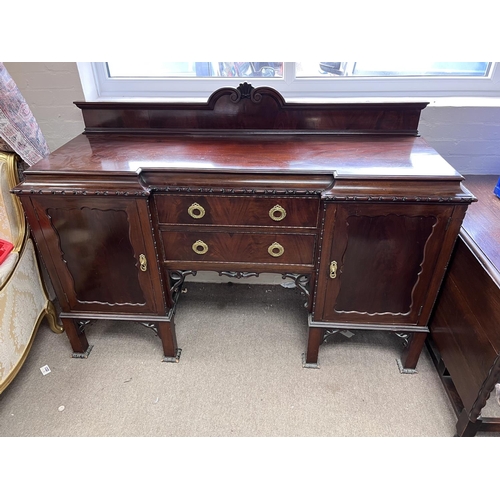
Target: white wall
50, 90
468, 137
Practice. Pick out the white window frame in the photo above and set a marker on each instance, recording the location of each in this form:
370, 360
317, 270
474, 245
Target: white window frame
98, 86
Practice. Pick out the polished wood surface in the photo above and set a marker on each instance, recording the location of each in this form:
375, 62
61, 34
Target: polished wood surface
465, 334
95, 245
238, 210
245, 108
231, 247
363, 156
356, 182
394, 247
482, 222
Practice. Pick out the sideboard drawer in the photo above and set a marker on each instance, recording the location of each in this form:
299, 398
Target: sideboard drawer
259, 248
237, 210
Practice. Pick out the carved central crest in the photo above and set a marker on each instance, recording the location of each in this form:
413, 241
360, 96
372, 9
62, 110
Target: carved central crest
245, 90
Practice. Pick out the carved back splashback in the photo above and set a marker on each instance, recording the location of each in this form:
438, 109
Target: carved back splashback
245, 108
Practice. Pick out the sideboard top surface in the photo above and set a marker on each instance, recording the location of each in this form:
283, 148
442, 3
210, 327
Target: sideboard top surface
345, 156
481, 226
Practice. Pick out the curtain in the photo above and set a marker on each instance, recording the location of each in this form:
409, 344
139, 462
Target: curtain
19, 131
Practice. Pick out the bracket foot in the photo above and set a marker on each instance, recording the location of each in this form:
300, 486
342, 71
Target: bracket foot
308, 365
167, 359
82, 355
405, 371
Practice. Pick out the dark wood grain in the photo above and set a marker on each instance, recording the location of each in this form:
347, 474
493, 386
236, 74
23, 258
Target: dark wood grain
95, 244
238, 247
386, 257
464, 325
348, 156
247, 108
238, 210
357, 183
482, 222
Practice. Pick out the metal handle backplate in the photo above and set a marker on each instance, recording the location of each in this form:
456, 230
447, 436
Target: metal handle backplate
276, 250
277, 213
196, 211
143, 263
333, 269
200, 247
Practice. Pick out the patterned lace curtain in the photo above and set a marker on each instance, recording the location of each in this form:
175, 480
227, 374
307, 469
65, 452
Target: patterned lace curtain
19, 131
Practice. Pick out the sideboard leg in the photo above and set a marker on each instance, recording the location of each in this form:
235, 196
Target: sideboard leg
466, 428
315, 340
166, 332
77, 338
411, 353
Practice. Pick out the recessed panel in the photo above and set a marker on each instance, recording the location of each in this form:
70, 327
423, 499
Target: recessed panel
96, 248
382, 263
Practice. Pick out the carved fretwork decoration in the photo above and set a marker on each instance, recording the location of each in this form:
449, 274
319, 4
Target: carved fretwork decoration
330, 333
177, 280
327, 335
151, 326
301, 281
404, 336
82, 323
238, 274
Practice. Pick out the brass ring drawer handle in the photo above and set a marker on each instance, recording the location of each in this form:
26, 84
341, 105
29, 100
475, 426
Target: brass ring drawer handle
143, 263
276, 250
196, 211
277, 213
200, 247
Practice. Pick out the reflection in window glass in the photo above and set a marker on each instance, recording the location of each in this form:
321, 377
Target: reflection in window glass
392, 69
195, 69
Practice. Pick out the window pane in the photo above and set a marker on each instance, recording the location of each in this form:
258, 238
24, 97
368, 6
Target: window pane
393, 69
195, 69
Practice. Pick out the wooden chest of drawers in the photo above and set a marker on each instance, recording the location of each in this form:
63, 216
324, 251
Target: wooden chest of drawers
345, 199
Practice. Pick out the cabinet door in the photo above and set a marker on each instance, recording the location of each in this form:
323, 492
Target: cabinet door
102, 251
377, 262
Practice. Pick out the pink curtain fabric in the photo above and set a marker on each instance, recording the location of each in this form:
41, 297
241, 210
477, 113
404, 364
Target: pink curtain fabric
19, 131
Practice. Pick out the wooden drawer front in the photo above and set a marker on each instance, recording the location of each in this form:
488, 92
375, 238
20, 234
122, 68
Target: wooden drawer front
238, 247
237, 210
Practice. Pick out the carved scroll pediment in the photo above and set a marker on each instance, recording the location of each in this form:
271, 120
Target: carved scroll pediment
244, 91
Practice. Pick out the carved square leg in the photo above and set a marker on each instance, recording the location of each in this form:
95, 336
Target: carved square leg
77, 338
166, 332
411, 353
315, 340
466, 428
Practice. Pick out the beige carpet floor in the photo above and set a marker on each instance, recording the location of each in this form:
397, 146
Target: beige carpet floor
240, 374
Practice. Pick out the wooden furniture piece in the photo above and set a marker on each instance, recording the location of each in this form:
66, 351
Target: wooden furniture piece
23, 299
465, 326
345, 199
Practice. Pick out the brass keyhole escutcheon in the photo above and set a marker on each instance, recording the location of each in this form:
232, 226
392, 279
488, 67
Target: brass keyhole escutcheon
276, 250
333, 269
143, 263
200, 247
277, 213
196, 211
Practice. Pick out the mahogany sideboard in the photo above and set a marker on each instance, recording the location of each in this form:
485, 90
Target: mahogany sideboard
345, 199
465, 327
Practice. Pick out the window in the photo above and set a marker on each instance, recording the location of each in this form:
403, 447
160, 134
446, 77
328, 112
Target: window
197, 80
